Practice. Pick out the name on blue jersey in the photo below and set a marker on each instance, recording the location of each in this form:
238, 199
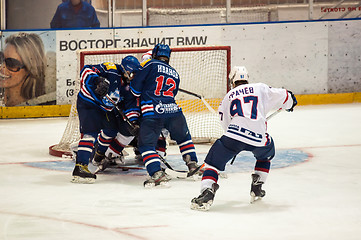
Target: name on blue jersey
168, 71
243, 91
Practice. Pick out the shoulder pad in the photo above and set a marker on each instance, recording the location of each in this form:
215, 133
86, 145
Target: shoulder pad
145, 62
109, 66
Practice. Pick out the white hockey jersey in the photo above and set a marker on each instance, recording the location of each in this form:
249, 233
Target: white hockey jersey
244, 109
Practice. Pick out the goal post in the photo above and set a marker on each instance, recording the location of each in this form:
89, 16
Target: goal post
203, 70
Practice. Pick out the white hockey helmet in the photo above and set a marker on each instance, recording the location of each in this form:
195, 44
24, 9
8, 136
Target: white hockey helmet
146, 56
238, 73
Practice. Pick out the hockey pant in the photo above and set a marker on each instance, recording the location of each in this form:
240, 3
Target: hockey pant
150, 129
225, 148
115, 141
92, 121
118, 144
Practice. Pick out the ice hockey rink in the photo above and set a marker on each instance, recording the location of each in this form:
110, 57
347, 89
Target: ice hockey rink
317, 196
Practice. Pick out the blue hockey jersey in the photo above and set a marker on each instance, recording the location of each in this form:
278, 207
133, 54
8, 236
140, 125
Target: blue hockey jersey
118, 89
157, 85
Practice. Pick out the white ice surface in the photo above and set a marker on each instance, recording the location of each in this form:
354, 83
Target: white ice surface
318, 199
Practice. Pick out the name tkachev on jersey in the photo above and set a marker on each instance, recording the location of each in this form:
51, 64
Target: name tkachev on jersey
242, 91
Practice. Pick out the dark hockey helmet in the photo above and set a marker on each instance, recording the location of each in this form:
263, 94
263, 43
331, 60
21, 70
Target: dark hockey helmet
130, 64
161, 50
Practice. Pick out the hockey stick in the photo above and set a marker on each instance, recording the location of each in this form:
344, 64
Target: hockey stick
178, 173
169, 170
273, 114
133, 129
200, 97
182, 174
122, 163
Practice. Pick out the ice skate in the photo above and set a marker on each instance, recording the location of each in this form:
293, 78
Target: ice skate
101, 166
256, 189
193, 168
204, 201
115, 161
109, 162
81, 174
97, 159
138, 156
159, 178
100, 161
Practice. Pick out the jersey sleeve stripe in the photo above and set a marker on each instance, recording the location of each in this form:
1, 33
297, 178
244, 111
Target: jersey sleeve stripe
286, 97
134, 92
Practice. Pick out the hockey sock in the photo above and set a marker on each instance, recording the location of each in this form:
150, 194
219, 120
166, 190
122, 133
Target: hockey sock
187, 148
85, 149
161, 146
104, 140
262, 168
151, 159
209, 177
115, 148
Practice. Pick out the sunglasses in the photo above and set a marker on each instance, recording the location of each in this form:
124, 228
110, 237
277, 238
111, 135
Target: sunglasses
11, 64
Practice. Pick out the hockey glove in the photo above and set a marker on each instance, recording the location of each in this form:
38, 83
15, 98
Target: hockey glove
102, 86
294, 102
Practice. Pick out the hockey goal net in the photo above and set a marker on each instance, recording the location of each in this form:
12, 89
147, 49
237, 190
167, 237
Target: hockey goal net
203, 71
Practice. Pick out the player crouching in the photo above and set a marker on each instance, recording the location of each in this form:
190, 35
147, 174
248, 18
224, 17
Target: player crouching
104, 86
243, 114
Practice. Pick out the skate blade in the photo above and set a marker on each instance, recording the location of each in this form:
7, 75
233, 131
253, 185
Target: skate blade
95, 163
196, 177
254, 198
77, 179
153, 185
205, 206
99, 169
223, 175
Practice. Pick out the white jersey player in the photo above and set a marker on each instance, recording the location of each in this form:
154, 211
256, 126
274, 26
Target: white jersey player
243, 116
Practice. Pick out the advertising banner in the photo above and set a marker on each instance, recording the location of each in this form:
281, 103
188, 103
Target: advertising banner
68, 43
291, 55
295, 55
28, 65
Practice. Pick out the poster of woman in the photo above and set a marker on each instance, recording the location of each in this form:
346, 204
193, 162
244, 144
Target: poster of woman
27, 69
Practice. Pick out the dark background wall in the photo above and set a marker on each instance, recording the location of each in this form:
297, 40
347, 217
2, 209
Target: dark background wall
30, 14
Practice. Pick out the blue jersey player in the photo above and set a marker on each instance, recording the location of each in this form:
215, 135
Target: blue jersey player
157, 85
96, 112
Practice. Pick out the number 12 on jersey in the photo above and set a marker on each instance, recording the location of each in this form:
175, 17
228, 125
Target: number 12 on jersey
169, 85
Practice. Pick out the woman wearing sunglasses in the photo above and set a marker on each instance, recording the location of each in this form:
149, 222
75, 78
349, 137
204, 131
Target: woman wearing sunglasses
22, 68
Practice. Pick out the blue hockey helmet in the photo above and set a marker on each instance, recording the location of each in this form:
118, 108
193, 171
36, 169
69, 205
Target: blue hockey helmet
161, 50
130, 64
